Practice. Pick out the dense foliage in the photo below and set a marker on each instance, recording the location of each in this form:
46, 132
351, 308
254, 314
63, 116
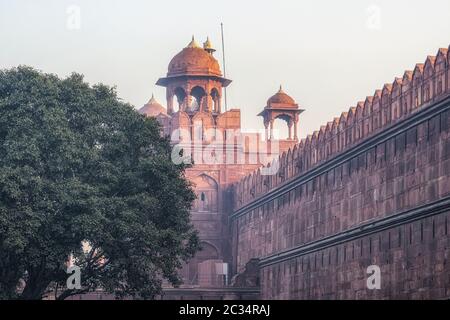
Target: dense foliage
78, 166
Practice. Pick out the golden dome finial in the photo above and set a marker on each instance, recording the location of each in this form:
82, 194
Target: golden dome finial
152, 99
281, 89
208, 46
193, 43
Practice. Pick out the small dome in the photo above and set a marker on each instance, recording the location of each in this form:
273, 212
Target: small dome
207, 45
152, 108
193, 60
281, 98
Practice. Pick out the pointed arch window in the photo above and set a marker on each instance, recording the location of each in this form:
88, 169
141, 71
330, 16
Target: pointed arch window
206, 189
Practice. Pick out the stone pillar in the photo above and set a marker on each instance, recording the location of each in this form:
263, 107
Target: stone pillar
266, 126
295, 129
271, 129
188, 99
289, 123
169, 98
209, 102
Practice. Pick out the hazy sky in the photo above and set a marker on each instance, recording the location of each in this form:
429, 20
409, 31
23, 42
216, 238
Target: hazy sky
327, 54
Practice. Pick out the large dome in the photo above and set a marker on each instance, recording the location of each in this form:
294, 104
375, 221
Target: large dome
194, 60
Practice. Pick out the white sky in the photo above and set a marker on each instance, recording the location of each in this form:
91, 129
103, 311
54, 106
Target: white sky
327, 54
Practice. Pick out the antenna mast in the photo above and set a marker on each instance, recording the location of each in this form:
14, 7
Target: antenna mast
223, 57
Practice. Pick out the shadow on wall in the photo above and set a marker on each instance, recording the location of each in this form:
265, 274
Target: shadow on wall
249, 277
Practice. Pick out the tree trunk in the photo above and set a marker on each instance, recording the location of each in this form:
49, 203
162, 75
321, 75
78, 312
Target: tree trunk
35, 286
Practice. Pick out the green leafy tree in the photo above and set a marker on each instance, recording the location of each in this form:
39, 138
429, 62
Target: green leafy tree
78, 166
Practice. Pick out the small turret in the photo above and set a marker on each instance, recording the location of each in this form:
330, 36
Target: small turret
208, 46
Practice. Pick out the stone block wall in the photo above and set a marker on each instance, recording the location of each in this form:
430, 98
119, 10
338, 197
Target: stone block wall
373, 191
415, 91
413, 260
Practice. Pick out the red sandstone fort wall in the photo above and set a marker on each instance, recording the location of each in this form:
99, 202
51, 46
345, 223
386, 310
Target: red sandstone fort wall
413, 260
387, 179
417, 89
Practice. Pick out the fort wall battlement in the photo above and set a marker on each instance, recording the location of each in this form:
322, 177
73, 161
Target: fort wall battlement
370, 188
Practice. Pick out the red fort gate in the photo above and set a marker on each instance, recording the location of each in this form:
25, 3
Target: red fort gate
290, 219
